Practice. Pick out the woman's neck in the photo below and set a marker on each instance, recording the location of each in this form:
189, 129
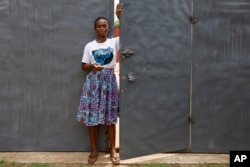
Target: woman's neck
101, 39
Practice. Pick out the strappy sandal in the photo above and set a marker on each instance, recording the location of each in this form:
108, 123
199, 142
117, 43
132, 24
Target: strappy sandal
92, 159
115, 159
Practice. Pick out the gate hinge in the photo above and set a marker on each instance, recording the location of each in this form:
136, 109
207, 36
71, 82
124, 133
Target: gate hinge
193, 19
190, 119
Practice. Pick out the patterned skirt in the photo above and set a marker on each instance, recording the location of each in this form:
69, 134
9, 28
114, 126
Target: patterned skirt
99, 99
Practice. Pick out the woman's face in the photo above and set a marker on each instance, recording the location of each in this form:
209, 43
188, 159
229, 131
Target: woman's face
102, 27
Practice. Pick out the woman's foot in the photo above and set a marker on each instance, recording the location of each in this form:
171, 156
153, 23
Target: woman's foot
115, 159
92, 158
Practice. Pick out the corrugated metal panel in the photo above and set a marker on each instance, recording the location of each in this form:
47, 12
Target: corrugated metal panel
221, 70
40, 68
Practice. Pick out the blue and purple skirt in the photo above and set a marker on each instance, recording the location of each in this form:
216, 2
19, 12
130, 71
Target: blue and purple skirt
99, 99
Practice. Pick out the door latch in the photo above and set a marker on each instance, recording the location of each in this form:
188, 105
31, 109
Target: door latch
131, 77
127, 52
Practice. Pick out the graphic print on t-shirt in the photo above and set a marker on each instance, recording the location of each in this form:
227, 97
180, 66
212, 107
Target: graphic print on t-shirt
103, 56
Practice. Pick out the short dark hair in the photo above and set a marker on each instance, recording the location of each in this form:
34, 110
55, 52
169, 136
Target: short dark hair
99, 18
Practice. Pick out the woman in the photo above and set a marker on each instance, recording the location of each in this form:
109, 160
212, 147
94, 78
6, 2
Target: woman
99, 99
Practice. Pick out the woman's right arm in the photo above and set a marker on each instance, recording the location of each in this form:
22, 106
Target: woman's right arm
86, 61
87, 67
90, 67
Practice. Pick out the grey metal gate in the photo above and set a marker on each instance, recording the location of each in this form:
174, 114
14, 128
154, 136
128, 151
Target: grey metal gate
155, 80
41, 47
221, 70
179, 72
189, 73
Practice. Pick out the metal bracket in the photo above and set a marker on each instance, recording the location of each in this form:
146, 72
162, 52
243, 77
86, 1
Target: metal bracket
190, 119
193, 19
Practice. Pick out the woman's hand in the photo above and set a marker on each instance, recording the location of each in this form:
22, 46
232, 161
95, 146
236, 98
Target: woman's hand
118, 10
98, 67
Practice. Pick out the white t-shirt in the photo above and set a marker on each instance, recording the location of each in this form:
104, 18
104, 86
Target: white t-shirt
101, 53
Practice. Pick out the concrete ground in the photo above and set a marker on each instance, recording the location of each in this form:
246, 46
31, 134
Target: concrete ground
103, 159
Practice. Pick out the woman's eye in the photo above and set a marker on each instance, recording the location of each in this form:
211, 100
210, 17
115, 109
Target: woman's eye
100, 26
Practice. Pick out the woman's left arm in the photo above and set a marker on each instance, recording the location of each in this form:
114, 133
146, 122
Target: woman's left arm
118, 10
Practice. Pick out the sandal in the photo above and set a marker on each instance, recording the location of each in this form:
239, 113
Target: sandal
115, 159
92, 159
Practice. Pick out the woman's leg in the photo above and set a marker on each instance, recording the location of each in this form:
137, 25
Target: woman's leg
93, 139
112, 133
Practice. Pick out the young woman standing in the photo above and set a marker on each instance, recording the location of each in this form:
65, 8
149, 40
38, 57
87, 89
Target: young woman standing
99, 98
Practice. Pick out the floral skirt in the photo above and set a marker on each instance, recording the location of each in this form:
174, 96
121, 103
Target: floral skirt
99, 99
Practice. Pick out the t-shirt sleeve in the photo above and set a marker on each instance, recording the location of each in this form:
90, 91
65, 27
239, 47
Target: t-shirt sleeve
117, 43
86, 55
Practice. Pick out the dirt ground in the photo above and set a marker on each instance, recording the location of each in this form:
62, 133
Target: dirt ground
104, 160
